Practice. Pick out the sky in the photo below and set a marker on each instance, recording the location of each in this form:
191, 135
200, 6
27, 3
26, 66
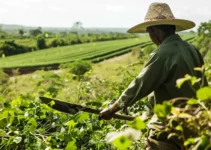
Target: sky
95, 13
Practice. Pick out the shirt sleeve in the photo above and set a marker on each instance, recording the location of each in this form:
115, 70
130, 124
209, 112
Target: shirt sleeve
152, 76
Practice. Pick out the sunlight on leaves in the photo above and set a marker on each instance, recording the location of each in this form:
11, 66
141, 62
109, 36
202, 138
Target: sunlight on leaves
180, 81
192, 102
189, 141
123, 139
137, 123
71, 146
179, 128
70, 124
52, 103
119, 140
122, 142
162, 110
82, 117
17, 139
199, 69
204, 93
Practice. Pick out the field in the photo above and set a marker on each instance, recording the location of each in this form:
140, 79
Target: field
94, 52
26, 123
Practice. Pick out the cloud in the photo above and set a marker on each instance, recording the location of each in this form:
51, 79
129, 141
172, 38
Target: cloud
115, 8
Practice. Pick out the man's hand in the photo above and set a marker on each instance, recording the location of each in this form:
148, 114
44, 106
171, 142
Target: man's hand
107, 113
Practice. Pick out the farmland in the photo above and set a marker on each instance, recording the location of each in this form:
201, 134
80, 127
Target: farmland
27, 123
95, 52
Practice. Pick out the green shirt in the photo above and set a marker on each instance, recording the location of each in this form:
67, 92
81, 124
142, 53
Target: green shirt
172, 60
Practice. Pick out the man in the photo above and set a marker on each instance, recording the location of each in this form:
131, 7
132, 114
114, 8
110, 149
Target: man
173, 59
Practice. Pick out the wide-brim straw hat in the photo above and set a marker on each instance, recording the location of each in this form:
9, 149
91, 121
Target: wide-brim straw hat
161, 14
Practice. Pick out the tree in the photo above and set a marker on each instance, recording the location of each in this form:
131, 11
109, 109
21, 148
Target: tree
41, 44
36, 32
203, 39
21, 32
77, 26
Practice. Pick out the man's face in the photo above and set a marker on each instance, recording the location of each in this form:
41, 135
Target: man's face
153, 33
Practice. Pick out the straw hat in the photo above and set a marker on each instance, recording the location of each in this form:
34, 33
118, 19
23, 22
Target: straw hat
160, 14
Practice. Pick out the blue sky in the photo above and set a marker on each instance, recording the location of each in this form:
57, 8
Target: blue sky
95, 13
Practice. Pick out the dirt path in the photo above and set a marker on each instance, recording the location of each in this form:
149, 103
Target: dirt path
117, 58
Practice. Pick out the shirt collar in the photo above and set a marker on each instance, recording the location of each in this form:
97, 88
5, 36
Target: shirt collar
171, 38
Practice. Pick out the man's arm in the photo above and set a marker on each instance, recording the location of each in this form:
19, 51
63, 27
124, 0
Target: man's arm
151, 77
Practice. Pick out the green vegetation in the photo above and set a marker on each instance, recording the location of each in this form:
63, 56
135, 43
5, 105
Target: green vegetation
94, 52
90, 51
78, 67
202, 41
25, 123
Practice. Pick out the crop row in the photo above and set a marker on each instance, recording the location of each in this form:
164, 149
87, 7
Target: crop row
66, 53
94, 52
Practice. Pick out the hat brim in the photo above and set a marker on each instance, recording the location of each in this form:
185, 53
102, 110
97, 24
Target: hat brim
180, 24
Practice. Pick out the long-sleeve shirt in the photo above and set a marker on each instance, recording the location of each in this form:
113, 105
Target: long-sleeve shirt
172, 60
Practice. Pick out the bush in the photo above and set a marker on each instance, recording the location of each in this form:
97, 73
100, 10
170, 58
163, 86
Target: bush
11, 48
3, 77
41, 44
58, 42
78, 67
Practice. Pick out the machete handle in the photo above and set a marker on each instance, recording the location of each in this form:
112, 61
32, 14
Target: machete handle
123, 117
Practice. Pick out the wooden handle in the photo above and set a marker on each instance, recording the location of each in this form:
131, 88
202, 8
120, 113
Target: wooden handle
123, 117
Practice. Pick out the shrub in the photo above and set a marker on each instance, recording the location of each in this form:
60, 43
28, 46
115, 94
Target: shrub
41, 44
58, 42
78, 67
11, 48
3, 77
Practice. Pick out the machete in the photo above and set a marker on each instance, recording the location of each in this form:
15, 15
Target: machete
74, 108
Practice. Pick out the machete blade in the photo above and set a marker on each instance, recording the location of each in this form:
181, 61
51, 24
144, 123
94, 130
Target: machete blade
74, 108
60, 105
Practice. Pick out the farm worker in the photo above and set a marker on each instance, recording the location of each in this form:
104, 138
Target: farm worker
173, 59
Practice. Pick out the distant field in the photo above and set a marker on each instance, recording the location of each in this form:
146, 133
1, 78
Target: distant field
94, 52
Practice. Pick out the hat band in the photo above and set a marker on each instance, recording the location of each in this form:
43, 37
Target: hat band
158, 18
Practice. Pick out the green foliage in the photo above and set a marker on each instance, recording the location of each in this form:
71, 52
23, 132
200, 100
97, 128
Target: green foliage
162, 111
148, 49
50, 84
80, 67
4, 78
41, 44
137, 123
36, 32
9, 48
189, 123
203, 38
58, 42
27, 124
